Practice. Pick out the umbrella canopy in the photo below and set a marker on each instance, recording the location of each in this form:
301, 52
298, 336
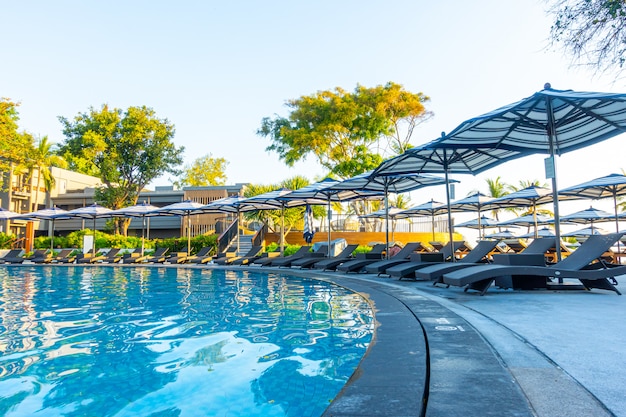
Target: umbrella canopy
505, 234
324, 191
182, 208
439, 157
585, 232
7, 214
139, 210
527, 197
527, 220
543, 232
235, 205
474, 202
308, 232
589, 215
389, 183
479, 223
612, 185
278, 199
430, 208
93, 211
51, 214
551, 122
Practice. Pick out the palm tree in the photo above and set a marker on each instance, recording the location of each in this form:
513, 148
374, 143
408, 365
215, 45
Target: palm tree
42, 158
496, 189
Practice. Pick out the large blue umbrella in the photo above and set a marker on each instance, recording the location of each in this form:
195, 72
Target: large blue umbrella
551, 122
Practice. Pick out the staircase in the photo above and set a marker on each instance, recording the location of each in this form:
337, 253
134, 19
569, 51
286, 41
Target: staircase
245, 244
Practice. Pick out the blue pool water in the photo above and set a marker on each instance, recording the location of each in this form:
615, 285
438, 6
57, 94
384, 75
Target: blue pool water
161, 342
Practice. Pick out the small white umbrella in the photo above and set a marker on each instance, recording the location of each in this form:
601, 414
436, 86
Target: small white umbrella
7, 214
430, 208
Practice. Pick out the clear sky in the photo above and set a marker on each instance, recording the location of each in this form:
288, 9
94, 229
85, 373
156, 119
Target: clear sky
215, 69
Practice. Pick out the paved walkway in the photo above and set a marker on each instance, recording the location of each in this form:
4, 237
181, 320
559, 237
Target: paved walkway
508, 353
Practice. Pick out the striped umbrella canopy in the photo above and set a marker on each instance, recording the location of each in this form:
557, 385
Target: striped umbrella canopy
474, 202
389, 183
588, 216
279, 199
7, 214
549, 122
612, 185
505, 234
323, 191
527, 197
236, 205
543, 232
430, 208
51, 214
308, 232
586, 232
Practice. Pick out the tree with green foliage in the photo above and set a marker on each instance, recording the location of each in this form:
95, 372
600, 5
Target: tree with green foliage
204, 171
125, 149
42, 158
348, 132
593, 31
497, 188
14, 146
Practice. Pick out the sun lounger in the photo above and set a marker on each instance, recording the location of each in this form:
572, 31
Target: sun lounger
582, 264
407, 269
13, 257
110, 256
63, 256
286, 261
515, 245
269, 260
361, 262
247, 260
309, 261
476, 255
380, 267
332, 262
201, 257
228, 260
158, 256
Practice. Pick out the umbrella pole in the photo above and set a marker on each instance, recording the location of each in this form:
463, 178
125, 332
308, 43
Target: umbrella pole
555, 194
617, 225
52, 235
450, 230
94, 237
143, 233
386, 223
282, 230
432, 221
188, 233
238, 222
328, 234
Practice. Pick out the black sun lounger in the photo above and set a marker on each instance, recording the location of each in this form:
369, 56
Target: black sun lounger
270, 260
363, 259
580, 265
407, 269
380, 267
476, 255
227, 260
344, 255
331, 263
287, 261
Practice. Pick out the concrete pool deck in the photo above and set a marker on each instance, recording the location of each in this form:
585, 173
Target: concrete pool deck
443, 352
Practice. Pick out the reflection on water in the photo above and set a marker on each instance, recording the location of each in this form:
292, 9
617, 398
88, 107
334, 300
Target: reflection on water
89, 341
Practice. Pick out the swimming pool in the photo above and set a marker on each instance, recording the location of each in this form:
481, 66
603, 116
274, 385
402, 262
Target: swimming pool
111, 341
